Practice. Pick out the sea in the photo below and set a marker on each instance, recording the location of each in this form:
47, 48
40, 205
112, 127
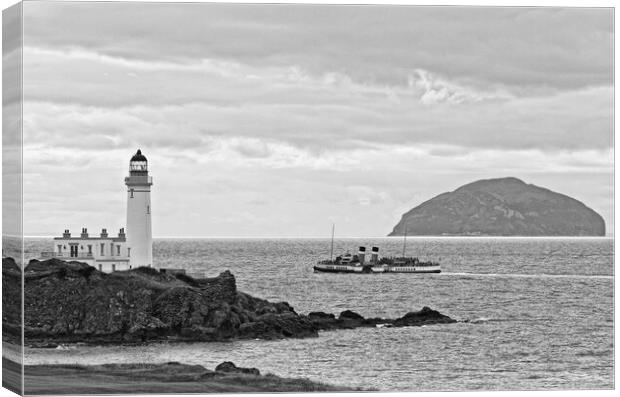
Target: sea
534, 313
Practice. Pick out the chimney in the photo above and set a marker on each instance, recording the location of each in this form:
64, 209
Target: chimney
66, 234
84, 233
374, 257
361, 254
121, 232
104, 233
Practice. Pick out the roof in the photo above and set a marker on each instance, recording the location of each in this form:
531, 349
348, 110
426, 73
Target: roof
138, 156
75, 239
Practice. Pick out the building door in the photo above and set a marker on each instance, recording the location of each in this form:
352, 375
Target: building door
74, 251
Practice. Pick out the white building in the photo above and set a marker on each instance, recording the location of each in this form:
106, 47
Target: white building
106, 253
129, 249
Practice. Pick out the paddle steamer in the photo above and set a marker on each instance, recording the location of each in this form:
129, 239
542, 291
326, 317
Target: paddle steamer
349, 263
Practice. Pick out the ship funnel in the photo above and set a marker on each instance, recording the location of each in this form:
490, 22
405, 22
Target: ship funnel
361, 254
374, 257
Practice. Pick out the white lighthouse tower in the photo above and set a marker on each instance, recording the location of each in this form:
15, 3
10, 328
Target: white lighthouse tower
139, 234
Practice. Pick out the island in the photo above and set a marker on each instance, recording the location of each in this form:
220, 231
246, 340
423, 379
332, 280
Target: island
501, 207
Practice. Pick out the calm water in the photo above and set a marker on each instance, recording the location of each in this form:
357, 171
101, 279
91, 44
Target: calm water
540, 311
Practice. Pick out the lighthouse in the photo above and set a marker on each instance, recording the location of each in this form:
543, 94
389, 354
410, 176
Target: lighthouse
131, 248
139, 234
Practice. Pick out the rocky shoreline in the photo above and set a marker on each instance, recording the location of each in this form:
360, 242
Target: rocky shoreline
71, 302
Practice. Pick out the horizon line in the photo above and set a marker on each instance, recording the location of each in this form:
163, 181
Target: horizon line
341, 237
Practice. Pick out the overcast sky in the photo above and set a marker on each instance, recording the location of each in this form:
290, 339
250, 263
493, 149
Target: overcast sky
277, 120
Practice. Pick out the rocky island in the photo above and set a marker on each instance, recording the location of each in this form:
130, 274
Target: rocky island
70, 302
501, 207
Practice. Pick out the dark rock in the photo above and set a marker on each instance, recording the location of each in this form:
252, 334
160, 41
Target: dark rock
423, 317
228, 366
501, 207
70, 302
9, 264
11, 301
377, 320
350, 315
321, 315
74, 302
324, 321
349, 319
272, 325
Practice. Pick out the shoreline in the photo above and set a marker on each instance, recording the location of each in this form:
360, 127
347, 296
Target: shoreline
318, 321
72, 302
163, 378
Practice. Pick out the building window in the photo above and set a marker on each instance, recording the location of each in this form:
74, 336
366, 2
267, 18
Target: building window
131, 193
113, 267
100, 267
128, 251
148, 209
129, 266
118, 250
102, 249
90, 249
60, 249
111, 249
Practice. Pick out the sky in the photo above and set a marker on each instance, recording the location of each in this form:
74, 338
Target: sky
279, 120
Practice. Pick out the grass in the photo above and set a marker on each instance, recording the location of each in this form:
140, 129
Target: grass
166, 378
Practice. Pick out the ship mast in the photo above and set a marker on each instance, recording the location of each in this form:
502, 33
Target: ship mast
405, 242
331, 252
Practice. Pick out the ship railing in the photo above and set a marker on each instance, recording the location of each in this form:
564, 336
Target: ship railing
399, 260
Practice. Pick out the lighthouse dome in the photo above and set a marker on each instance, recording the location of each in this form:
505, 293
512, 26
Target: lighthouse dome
138, 163
138, 156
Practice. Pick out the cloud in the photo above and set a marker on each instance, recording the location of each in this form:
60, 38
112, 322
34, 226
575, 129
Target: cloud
485, 46
309, 115
436, 90
312, 113
203, 195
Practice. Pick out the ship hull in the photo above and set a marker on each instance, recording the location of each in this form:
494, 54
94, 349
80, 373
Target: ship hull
375, 269
339, 269
406, 269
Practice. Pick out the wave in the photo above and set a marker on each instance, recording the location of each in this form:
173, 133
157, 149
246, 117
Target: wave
594, 353
480, 320
522, 275
483, 320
